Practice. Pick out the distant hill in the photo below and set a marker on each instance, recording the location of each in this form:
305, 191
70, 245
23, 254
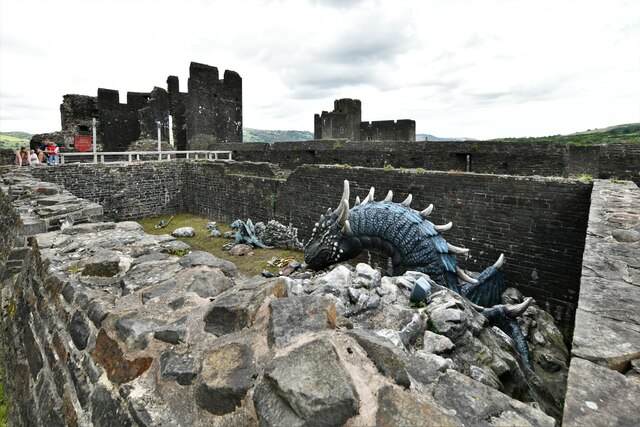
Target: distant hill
259, 135
620, 133
14, 140
428, 137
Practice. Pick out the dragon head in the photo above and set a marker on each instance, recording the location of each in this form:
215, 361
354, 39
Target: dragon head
331, 239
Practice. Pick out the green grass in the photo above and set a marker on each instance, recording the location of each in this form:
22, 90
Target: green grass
247, 265
4, 404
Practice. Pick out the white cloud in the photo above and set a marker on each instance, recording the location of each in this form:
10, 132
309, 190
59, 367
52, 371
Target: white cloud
459, 68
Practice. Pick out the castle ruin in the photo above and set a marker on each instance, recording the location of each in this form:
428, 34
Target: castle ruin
209, 112
345, 122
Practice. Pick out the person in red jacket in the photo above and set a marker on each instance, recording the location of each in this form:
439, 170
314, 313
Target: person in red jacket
51, 150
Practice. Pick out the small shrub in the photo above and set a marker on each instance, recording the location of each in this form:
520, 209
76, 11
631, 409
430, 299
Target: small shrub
585, 177
337, 145
421, 170
388, 168
179, 252
617, 181
271, 200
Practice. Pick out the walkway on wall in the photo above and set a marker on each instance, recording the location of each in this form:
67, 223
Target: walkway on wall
136, 156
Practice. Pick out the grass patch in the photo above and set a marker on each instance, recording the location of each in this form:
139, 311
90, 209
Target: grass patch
584, 177
4, 404
247, 265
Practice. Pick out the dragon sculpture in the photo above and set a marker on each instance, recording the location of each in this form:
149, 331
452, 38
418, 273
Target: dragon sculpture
414, 244
246, 233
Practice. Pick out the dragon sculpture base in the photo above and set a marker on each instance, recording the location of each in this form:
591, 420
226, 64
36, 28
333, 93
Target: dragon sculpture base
414, 244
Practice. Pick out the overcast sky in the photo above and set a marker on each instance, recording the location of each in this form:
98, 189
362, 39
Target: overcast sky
481, 69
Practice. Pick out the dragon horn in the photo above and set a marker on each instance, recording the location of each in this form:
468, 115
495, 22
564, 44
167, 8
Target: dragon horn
457, 250
407, 201
357, 201
344, 212
389, 196
499, 262
445, 227
464, 276
369, 197
345, 196
346, 229
425, 213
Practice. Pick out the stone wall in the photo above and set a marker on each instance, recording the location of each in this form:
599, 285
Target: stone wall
125, 190
604, 376
544, 159
9, 225
620, 161
539, 223
388, 130
105, 325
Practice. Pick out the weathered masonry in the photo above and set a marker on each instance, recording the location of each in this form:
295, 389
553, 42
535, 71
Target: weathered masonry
76, 353
538, 222
209, 112
345, 122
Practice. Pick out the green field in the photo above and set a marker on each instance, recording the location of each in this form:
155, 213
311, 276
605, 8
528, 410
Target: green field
14, 140
259, 135
621, 133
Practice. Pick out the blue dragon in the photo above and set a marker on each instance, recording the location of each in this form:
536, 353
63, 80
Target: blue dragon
414, 244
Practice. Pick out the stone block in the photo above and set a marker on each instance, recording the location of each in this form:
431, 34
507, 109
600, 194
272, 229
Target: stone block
120, 370
102, 264
297, 315
172, 333
181, 368
389, 359
607, 323
79, 330
308, 386
597, 396
107, 410
476, 403
234, 310
399, 408
196, 258
226, 376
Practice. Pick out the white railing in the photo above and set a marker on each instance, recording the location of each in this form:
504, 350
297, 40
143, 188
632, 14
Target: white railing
135, 156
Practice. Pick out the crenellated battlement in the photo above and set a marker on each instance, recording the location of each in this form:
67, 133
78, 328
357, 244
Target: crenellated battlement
345, 122
209, 112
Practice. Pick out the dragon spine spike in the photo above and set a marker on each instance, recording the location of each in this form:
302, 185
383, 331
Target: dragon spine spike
344, 212
346, 229
445, 227
345, 196
369, 198
357, 201
345, 191
389, 196
407, 201
499, 262
464, 276
457, 250
425, 213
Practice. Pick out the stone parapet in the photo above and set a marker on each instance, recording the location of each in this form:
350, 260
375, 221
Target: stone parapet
604, 376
